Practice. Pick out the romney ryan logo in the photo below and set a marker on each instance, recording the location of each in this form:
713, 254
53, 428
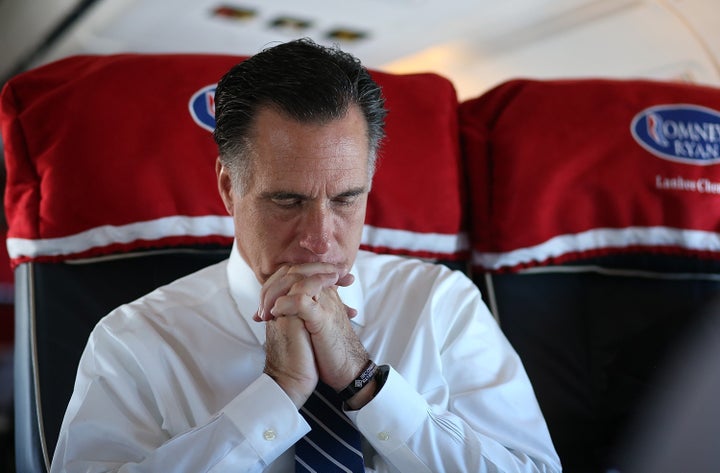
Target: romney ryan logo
680, 132
202, 107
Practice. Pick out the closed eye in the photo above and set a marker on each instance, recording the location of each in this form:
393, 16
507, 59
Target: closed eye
349, 197
291, 200
346, 200
287, 200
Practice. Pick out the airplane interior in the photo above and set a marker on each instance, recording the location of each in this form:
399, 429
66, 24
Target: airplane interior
563, 154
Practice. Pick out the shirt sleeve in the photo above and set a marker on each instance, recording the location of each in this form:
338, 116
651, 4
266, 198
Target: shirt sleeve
113, 423
480, 414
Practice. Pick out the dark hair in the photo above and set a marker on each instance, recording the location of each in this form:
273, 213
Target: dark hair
308, 82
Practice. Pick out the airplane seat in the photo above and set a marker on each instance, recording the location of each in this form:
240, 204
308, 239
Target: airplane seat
7, 348
111, 192
595, 211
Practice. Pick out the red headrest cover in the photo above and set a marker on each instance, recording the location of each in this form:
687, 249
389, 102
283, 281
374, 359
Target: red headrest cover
115, 153
567, 169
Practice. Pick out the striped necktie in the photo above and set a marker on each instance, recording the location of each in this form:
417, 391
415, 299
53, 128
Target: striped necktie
333, 444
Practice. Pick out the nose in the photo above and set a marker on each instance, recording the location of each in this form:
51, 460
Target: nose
317, 230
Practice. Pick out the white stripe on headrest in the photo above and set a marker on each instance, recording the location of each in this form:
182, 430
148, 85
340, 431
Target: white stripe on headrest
175, 226
599, 239
214, 225
438, 243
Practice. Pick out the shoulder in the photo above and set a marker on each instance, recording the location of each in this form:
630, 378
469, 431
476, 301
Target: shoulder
419, 293
382, 270
171, 303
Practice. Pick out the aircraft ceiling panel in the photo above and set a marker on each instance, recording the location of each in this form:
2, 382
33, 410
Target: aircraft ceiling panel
474, 42
389, 29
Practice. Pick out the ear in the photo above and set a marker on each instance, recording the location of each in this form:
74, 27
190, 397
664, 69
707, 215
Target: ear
225, 186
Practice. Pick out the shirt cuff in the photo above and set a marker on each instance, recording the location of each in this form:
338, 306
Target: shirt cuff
392, 416
267, 418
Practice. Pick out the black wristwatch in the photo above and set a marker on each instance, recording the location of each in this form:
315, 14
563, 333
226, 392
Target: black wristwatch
366, 375
381, 375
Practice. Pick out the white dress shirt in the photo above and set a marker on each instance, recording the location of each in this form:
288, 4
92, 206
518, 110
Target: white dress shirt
174, 382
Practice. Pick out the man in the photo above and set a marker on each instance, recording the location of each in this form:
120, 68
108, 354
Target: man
210, 373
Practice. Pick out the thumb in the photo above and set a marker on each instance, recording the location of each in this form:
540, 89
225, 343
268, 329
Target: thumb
345, 280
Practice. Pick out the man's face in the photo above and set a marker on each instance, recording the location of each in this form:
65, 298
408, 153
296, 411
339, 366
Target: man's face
306, 196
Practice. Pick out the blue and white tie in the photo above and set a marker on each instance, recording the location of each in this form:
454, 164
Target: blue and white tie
333, 444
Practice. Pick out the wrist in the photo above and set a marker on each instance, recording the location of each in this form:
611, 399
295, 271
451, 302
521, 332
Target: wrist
298, 392
362, 397
360, 382
370, 390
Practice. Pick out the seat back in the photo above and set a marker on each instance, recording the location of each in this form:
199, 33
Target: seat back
111, 192
595, 218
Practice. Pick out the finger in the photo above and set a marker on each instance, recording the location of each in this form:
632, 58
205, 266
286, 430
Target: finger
286, 277
345, 280
263, 309
313, 285
298, 305
308, 269
271, 290
315, 316
344, 277
303, 295
293, 305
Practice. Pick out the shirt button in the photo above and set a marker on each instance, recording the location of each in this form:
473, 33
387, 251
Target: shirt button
269, 434
383, 436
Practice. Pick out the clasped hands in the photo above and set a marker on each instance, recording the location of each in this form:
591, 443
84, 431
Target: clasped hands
309, 336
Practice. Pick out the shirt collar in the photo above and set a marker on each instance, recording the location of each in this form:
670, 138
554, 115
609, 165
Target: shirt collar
245, 291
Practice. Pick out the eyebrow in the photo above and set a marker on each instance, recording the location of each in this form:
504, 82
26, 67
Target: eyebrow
352, 192
295, 195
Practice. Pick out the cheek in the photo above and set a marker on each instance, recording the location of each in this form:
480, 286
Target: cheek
352, 223
257, 228
251, 228
271, 236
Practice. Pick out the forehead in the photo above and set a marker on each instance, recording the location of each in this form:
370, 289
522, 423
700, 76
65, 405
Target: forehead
285, 149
